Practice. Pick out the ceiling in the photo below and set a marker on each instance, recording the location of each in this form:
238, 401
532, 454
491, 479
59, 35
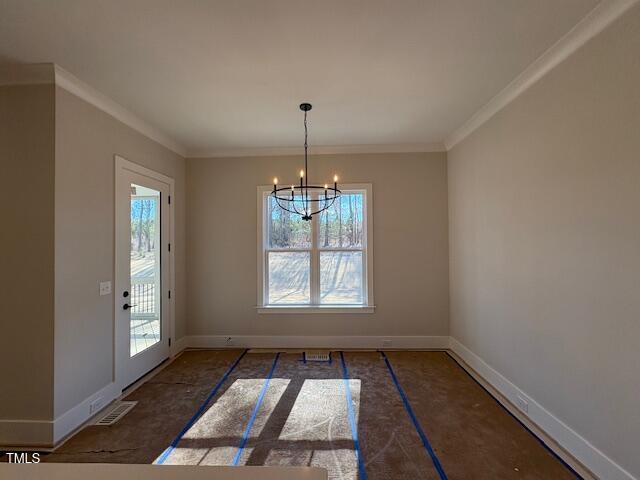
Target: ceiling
224, 75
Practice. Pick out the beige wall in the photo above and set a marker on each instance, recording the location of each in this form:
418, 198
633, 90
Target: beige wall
410, 235
27, 138
86, 141
544, 206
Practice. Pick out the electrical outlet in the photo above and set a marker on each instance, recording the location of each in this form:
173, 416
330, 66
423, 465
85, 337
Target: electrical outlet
95, 405
229, 341
523, 403
386, 343
105, 288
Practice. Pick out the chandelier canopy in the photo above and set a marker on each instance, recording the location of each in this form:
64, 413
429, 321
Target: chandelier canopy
304, 199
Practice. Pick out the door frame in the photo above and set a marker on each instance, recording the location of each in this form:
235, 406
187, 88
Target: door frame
122, 164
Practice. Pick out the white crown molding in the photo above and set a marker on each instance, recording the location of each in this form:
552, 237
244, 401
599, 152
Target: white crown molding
26, 74
593, 23
89, 94
318, 150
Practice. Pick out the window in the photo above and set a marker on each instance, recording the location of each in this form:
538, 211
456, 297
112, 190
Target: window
320, 265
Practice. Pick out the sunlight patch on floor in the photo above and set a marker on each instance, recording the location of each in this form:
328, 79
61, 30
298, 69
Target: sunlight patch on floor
316, 431
341, 463
320, 411
186, 456
229, 415
225, 456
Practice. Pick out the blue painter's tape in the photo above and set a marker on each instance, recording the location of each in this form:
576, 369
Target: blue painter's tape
352, 419
163, 457
416, 423
254, 414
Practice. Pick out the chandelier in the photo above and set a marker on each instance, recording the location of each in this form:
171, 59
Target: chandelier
304, 199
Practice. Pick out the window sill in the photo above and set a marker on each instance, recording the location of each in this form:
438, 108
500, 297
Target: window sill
317, 309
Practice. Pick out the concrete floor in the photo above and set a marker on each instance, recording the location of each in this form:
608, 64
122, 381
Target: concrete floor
303, 419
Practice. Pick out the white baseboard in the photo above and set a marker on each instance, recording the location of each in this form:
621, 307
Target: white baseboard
47, 433
550, 426
178, 346
79, 414
291, 341
75, 417
22, 433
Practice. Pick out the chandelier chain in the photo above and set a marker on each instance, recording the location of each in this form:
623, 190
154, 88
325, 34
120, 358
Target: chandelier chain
305, 198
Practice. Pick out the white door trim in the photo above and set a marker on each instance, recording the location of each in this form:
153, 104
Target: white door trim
122, 164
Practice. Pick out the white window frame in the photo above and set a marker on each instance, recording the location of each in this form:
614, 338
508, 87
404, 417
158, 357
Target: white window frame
314, 307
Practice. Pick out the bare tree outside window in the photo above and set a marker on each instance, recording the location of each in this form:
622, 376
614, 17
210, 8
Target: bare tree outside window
341, 269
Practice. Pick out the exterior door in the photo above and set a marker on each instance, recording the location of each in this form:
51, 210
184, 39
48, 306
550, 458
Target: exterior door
142, 271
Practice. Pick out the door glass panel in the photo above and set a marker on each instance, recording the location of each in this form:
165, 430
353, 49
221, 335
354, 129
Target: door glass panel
145, 269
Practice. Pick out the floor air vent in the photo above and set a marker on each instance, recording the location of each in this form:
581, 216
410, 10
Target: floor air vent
116, 413
317, 356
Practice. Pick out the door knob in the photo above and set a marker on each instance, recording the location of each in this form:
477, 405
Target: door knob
126, 306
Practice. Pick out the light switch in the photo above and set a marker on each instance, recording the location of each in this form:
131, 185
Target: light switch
105, 288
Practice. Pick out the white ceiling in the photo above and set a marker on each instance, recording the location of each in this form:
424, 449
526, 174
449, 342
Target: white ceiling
223, 75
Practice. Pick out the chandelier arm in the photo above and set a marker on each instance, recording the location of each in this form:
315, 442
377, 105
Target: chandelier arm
301, 213
285, 208
325, 207
293, 205
333, 200
334, 192
321, 210
328, 203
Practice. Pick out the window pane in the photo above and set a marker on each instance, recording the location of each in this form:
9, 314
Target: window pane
289, 274
287, 230
341, 277
341, 224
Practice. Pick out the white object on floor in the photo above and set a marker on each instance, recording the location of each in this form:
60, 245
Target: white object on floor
98, 471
